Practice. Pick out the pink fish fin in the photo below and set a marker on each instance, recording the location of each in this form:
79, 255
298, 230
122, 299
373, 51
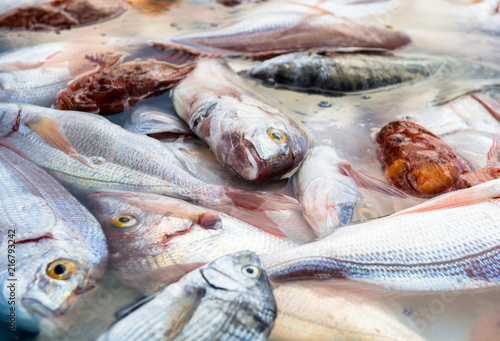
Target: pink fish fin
464, 197
256, 201
7, 144
50, 131
365, 181
176, 57
104, 60
314, 7
490, 102
494, 153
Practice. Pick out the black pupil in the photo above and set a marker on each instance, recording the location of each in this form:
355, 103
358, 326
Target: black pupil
124, 219
250, 271
103, 87
60, 269
367, 214
276, 136
398, 139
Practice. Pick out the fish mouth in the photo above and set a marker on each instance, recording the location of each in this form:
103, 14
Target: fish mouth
39, 311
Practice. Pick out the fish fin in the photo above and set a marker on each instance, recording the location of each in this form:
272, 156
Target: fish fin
104, 60
367, 182
256, 201
494, 153
458, 89
463, 197
314, 7
7, 144
50, 131
490, 102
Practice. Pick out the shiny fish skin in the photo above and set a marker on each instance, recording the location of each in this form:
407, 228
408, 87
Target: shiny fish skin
228, 299
268, 33
171, 234
238, 126
50, 225
437, 250
343, 73
328, 197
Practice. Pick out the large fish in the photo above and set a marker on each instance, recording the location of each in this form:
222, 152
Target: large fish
54, 250
228, 299
255, 140
152, 234
271, 32
341, 73
88, 153
451, 242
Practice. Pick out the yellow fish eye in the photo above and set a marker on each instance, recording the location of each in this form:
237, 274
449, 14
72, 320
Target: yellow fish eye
61, 269
367, 213
124, 221
277, 136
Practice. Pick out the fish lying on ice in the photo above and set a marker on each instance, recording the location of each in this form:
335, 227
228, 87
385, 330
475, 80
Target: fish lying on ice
88, 153
227, 299
451, 242
152, 234
255, 140
54, 249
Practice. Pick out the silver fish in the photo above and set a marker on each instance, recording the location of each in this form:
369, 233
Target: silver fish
88, 153
54, 248
255, 140
148, 234
228, 299
450, 242
328, 197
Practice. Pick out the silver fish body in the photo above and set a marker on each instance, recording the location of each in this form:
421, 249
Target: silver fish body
227, 299
328, 197
440, 245
255, 140
161, 233
343, 73
55, 249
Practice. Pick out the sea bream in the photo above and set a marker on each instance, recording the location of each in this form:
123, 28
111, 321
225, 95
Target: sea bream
159, 236
449, 243
227, 299
250, 137
54, 250
87, 153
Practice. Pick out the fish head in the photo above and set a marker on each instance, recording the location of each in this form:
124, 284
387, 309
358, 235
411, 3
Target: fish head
241, 273
264, 150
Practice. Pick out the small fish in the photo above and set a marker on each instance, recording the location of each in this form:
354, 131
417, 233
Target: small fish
341, 73
152, 121
255, 140
227, 299
117, 85
315, 311
328, 197
449, 243
87, 153
152, 234
268, 32
55, 251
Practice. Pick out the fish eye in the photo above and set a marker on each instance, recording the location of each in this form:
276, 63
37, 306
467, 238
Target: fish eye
367, 213
277, 135
124, 221
250, 271
397, 138
61, 269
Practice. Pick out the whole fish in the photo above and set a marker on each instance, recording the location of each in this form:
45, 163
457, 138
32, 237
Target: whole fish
255, 140
269, 32
54, 250
328, 197
340, 73
420, 163
314, 311
448, 243
88, 153
227, 299
152, 234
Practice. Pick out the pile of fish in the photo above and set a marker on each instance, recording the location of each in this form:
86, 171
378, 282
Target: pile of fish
208, 190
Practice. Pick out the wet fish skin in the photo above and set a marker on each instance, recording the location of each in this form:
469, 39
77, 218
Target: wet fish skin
227, 299
147, 120
168, 232
443, 244
341, 73
255, 140
49, 228
328, 197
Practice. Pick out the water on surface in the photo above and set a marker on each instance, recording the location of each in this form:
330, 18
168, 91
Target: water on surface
349, 123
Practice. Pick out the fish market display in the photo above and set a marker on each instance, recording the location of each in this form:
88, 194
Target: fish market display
228, 299
341, 73
279, 32
148, 233
448, 243
255, 140
116, 85
56, 250
328, 197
